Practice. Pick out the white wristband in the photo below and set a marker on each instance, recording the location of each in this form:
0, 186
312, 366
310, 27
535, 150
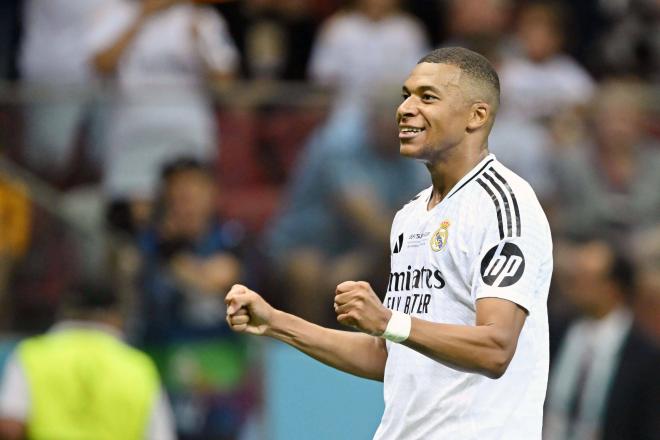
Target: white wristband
398, 327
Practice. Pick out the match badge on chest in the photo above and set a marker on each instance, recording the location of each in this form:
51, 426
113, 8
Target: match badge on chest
439, 237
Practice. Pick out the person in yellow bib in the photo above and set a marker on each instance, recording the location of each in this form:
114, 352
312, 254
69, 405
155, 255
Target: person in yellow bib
81, 381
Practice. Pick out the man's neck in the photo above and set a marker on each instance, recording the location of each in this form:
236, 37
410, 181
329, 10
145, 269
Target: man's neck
448, 170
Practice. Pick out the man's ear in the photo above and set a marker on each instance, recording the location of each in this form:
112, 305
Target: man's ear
480, 113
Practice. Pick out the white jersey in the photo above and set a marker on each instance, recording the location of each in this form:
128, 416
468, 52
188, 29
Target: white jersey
488, 237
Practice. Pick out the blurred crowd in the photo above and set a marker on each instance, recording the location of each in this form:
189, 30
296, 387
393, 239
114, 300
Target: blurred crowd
171, 148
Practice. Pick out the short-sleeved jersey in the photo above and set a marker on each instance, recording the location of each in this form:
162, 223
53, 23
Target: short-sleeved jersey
488, 237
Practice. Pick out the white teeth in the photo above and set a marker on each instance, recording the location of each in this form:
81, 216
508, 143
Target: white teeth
410, 130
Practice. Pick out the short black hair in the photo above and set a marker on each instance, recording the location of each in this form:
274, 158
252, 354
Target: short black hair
91, 294
183, 164
471, 63
621, 270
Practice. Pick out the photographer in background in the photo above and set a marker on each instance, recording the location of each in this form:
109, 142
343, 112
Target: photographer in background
188, 256
189, 260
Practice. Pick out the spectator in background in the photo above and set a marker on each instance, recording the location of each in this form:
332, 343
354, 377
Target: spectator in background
473, 23
373, 36
15, 227
628, 41
80, 380
275, 36
604, 383
160, 54
189, 261
53, 62
539, 80
189, 256
609, 184
344, 192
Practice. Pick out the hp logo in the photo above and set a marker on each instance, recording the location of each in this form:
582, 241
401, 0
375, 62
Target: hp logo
503, 265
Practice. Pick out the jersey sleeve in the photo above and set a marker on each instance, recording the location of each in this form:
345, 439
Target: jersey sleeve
514, 252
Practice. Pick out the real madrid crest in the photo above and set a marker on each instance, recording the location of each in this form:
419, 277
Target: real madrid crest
439, 237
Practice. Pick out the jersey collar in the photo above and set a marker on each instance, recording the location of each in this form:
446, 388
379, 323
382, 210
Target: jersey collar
474, 172
75, 324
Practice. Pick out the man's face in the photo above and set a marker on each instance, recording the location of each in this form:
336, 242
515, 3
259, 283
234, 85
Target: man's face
589, 284
618, 122
539, 36
189, 199
434, 114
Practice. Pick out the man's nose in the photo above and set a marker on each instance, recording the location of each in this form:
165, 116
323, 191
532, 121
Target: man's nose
407, 108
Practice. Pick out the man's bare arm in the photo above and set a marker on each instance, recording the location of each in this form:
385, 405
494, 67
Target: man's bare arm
485, 348
355, 353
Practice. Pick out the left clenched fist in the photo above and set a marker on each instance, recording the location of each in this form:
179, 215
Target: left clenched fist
358, 306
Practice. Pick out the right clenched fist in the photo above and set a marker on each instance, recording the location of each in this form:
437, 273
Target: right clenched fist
247, 311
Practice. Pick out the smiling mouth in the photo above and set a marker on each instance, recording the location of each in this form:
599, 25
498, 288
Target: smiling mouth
409, 132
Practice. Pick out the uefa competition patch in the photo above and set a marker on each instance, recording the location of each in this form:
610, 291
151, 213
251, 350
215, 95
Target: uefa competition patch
417, 239
439, 237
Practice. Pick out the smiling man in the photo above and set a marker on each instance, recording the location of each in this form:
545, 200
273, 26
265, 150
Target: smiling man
461, 339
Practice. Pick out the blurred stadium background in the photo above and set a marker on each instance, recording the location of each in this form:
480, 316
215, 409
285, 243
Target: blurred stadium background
178, 148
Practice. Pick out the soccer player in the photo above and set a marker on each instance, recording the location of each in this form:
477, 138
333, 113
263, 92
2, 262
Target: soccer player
461, 340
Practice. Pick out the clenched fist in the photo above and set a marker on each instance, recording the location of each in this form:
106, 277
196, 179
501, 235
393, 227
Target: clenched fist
358, 306
247, 311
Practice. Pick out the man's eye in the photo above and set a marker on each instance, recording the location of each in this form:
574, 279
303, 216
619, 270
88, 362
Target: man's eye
404, 96
427, 97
